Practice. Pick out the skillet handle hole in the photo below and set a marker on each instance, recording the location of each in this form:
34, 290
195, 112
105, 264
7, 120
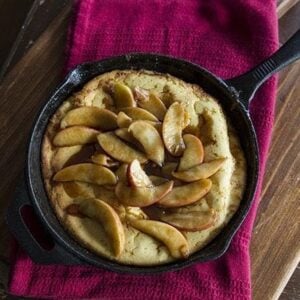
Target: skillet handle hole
36, 229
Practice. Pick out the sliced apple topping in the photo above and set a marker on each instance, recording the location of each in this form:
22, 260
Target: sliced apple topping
124, 172
119, 150
141, 196
103, 160
153, 104
137, 176
123, 120
121, 173
149, 137
191, 221
174, 122
136, 113
127, 136
76, 135
63, 154
140, 94
103, 213
123, 96
90, 116
135, 212
168, 235
201, 171
186, 194
193, 153
78, 189
86, 172
104, 193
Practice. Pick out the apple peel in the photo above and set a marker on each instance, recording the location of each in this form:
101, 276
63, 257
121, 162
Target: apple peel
186, 194
193, 153
141, 196
202, 171
174, 122
191, 221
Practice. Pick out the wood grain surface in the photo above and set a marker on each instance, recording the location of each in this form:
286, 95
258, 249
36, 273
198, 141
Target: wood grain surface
23, 91
14, 24
277, 232
39, 16
275, 245
283, 6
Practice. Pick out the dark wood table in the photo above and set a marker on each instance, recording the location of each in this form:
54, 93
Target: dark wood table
31, 58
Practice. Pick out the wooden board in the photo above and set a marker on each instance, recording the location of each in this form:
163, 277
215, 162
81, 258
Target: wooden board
274, 248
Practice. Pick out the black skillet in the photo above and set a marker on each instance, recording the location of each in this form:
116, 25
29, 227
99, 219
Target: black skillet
233, 94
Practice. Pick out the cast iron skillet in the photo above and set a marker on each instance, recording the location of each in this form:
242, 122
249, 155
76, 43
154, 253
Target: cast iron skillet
234, 96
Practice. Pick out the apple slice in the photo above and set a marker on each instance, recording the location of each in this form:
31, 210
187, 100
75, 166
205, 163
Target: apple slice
119, 150
76, 135
123, 96
137, 113
62, 155
103, 160
121, 173
186, 194
141, 196
123, 120
140, 94
191, 221
86, 172
193, 154
168, 235
90, 116
78, 189
127, 136
137, 176
153, 104
104, 193
150, 139
201, 171
103, 213
135, 212
174, 122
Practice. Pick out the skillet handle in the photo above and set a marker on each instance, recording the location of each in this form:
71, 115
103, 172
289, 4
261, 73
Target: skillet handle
19, 229
246, 84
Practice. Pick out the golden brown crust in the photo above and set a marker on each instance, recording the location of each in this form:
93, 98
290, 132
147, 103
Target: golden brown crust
219, 140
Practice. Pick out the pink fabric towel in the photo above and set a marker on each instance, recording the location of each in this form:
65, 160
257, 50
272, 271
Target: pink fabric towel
226, 37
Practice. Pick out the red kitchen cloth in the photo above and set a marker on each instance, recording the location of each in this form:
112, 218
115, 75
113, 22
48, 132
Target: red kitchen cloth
225, 36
